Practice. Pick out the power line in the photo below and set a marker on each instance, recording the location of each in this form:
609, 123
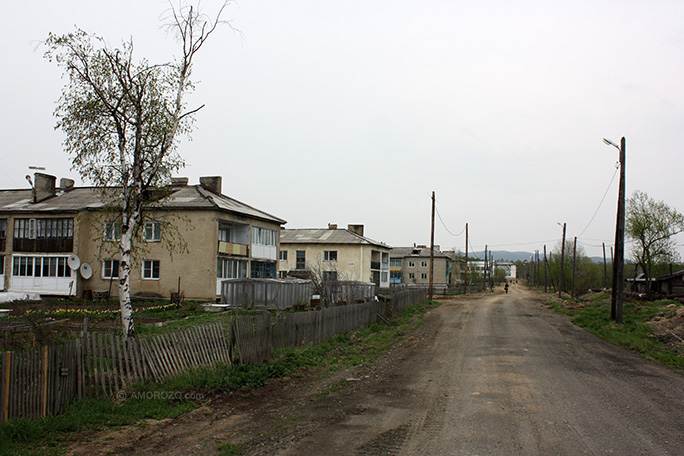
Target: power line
445, 227
617, 168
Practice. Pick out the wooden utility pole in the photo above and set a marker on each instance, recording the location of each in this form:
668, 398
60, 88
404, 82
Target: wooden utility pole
432, 244
546, 270
560, 280
574, 262
605, 268
484, 271
465, 277
619, 262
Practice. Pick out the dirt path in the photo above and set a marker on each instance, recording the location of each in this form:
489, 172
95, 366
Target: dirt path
489, 375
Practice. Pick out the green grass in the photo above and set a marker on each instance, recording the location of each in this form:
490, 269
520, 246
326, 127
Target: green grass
50, 435
593, 314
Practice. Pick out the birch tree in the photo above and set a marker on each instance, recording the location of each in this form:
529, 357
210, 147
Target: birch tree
652, 225
122, 119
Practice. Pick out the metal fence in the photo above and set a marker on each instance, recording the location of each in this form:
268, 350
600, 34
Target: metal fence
276, 293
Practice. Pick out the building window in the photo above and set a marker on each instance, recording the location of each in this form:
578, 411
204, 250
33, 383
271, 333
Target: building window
29, 266
412, 264
151, 269
224, 233
112, 231
231, 269
329, 276
395, 262
263, 270
330, 255
3, 234
423, 275
412, 275
43, 235
152, 231
283, 255
423, 264
301, 259
110, 269
263, 236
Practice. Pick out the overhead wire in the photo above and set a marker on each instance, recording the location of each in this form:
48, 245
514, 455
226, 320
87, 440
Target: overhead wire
617, 168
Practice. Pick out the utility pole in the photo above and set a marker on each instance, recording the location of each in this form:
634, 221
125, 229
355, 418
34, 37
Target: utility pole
605, 268
574, 258
546, 270
465, 277
432, 244
560, 280
619, 261
484, 275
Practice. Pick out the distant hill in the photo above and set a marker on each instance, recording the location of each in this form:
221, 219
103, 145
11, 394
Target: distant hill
504, 255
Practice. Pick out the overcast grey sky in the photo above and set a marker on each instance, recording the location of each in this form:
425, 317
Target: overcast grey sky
355, 111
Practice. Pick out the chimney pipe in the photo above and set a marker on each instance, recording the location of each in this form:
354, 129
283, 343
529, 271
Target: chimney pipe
43, 187
358, 229
211, 183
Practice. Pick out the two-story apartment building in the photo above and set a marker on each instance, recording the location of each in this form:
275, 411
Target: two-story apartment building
63, 241
335, 254
411, 265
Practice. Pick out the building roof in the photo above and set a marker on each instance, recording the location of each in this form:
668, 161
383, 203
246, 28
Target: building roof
325, 236
88, 198
419, 252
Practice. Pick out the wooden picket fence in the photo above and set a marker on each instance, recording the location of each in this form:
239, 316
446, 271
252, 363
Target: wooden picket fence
42, 381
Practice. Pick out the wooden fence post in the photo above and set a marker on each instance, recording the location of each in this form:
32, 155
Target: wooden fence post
5, 402
45, 380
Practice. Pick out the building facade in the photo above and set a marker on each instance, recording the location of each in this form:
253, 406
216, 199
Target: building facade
411, 266
334, 254
64, 241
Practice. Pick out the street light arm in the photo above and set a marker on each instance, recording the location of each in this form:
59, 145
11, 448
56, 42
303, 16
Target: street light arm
611, 143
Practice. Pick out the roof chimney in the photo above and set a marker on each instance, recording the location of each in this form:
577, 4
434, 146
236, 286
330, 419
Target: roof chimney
43, 187
358, 229
66, 184
179, 181
332, 226
211, 183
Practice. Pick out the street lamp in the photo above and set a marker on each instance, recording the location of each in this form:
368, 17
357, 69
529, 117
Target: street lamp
619, 260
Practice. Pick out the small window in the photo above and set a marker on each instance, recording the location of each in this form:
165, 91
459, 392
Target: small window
112, 231
423, 264
412, 264
151, 269
330, 255
283, 255
329, 276
110, 269
412, 275
423, 276
301, 259
152, 231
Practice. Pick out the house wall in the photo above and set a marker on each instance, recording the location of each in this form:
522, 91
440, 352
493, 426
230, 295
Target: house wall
353, 261
439, 271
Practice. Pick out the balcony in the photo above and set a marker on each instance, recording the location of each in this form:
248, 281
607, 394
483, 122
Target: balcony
375, 265
230, 248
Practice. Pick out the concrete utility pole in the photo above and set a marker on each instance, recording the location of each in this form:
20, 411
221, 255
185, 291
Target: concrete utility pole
560, 280
432, 244
619, 260
546, 271
574, 262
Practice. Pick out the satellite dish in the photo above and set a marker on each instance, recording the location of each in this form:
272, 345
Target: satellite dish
74, 261
86, 271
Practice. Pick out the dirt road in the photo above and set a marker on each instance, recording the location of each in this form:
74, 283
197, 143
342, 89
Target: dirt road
494, 375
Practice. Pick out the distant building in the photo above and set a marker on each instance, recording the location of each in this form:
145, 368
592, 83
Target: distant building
335, 254
411, 266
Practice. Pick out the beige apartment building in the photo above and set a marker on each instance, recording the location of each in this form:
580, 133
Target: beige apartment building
62, 240
411, 266
334, 254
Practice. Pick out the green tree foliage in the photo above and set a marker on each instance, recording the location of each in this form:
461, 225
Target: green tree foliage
652, 226
122, 119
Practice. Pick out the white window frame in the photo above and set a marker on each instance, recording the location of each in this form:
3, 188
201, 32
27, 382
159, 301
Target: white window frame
283, 255
330, 255
411, 264
423, 264
148, 269
152, 231
112, 231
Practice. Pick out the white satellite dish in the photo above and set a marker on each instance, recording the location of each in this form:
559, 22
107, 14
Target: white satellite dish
86, 271
74, 261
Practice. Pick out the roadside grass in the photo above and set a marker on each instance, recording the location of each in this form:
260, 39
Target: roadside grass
51, 435
592, 312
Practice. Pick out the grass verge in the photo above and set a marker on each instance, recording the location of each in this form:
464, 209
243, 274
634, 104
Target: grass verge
51, 435
592, 312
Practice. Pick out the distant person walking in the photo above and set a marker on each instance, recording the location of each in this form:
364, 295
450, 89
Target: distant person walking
506, 287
